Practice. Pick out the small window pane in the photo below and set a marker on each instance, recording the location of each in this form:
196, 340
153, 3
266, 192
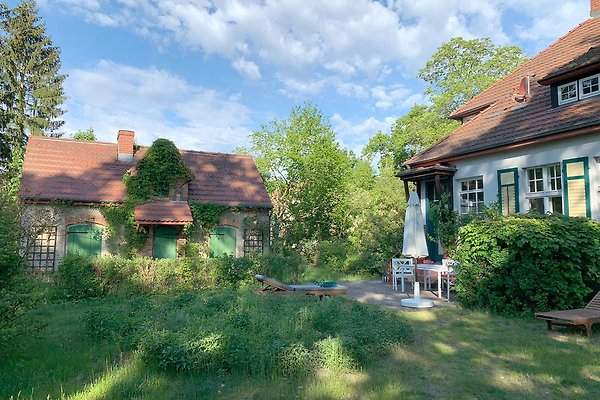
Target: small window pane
556, 204
575, 169
537, 204
567, 92
507, 178
471, 185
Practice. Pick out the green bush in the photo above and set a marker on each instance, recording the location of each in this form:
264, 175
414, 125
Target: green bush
80, 277
237, 331
76, 278
522, 264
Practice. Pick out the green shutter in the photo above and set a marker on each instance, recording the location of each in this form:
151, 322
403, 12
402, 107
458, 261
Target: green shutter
508, 191
84, 239
165, 242
222, 241
576, 187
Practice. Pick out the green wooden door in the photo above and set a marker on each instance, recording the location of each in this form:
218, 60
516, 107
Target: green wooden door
84, 239
165, 242
222, 241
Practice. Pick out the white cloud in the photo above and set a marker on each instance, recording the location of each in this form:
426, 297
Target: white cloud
154, 103
549, 20
341, 37
354, 135
247, 68
397, 96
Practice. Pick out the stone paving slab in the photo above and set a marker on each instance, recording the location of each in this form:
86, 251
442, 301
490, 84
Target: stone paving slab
381, 293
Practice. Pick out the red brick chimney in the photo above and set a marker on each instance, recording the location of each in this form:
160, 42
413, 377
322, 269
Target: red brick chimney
125, 145
594, 8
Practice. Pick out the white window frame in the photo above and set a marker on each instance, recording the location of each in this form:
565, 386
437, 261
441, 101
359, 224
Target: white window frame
545, 193
469, 207
580, 87
572, 99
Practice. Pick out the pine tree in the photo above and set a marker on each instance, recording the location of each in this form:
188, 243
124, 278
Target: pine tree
31, 87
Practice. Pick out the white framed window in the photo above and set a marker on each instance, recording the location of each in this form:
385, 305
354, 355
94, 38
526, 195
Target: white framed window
471, 196
567, 93
589, 87
544, 189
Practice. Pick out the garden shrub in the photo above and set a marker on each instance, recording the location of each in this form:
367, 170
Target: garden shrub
237, 331
522, 264
333, 254
76, 278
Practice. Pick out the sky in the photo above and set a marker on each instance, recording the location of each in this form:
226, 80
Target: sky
208, 73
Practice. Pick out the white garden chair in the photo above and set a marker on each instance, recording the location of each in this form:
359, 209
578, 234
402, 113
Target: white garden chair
402, 268
451, 273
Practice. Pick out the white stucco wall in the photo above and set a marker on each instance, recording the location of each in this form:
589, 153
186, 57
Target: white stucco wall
531, 156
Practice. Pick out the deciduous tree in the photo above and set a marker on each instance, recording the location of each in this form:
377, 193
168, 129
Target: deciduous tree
305, 172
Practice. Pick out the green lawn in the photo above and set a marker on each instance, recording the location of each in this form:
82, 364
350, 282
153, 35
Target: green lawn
456, 355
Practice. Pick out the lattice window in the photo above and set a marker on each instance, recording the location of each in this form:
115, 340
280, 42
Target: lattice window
253, 241
42, 252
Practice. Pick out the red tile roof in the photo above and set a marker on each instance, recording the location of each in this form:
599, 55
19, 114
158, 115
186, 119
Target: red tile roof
507, 122
83, 171
163, 213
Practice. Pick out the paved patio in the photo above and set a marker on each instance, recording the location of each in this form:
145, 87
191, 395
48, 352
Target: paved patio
381, 293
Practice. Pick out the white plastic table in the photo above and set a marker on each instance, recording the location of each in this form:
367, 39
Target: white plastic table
433, 268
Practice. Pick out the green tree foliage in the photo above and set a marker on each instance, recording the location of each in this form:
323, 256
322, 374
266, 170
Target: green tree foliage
305, 172
87, 134
377, 209
458, 71
410, 135
31, 89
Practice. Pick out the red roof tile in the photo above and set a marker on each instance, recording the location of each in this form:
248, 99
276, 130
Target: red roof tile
163, 213
505, 121
76, 170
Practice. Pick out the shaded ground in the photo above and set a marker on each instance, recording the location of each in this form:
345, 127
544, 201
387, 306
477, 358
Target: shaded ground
381, 293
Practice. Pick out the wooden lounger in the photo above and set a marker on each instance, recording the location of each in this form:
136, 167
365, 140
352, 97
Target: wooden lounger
587, 316
275, 287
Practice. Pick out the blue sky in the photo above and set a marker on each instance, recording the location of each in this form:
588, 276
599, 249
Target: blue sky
206, 74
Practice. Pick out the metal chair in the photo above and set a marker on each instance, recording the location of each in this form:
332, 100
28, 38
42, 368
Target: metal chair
451, 273
402, 268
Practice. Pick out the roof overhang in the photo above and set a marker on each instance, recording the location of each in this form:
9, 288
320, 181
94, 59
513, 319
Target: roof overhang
548, 136
424, 173
552, 79
163, 213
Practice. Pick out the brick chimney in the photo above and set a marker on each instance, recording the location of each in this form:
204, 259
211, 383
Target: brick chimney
125, 145
594, 8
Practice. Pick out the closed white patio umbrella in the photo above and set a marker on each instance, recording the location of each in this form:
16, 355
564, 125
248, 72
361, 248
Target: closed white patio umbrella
415, 245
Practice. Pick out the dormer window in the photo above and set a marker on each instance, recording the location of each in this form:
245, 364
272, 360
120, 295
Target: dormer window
576, 90
567, 93
589, 86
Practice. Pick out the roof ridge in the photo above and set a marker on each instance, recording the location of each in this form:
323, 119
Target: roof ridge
61, 139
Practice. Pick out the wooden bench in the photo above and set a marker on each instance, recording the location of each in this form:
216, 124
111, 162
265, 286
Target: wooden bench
587, 316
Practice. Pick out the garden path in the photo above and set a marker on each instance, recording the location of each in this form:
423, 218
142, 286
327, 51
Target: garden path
381, 293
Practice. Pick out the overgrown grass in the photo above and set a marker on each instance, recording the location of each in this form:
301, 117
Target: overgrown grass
456, 354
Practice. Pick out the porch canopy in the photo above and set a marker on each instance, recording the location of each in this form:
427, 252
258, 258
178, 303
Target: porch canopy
435, 172
163, 213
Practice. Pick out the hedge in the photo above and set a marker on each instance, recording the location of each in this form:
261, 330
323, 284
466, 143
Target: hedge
521, 264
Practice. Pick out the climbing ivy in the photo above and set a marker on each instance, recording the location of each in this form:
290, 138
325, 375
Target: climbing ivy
157, 172
206, 216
